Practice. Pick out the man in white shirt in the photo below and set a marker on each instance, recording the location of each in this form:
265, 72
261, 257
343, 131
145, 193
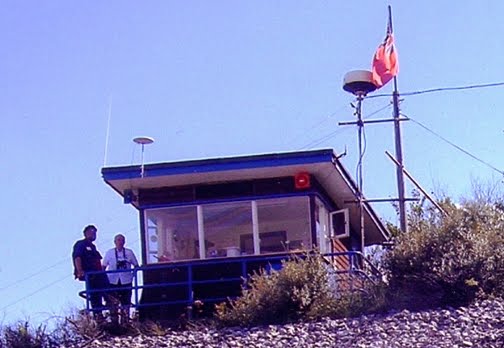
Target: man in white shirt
119, 258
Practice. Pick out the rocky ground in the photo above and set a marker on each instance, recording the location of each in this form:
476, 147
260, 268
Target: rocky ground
479, 325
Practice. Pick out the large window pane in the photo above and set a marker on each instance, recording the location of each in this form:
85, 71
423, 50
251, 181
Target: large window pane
224, 224
172, 234
284, 224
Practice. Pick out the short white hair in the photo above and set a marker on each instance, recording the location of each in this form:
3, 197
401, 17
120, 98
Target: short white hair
119, 236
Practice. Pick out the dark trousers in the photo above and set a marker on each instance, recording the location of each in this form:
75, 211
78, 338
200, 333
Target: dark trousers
98, 282
123, 295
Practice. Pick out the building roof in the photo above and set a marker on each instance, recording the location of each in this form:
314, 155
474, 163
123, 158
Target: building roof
322, 164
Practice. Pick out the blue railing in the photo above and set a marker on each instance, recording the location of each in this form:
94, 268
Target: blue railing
352, 278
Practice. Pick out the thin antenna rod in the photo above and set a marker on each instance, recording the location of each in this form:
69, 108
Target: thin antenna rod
142, 170
398, 145
107, 135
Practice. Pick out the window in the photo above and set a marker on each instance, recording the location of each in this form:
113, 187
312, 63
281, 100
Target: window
322, 230
172, 234
224, 224
340, 223
290, 216
228, 229
270, 242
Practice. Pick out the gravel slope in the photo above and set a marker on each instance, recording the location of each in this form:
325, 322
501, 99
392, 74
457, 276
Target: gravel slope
479, 325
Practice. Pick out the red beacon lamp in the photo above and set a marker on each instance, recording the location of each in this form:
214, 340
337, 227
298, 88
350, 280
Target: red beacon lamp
302, 181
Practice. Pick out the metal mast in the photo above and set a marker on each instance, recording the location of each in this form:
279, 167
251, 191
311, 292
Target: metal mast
360, 124
398, 147
359, 83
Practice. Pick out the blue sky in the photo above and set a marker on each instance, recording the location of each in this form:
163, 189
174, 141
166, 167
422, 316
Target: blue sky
211, 79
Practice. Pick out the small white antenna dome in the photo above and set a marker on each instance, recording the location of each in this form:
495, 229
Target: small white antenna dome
359, 82
143, 140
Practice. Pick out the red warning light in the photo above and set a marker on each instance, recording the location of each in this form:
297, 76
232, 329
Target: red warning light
302, 181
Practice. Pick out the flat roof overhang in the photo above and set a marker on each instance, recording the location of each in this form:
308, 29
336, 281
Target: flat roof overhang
322, 164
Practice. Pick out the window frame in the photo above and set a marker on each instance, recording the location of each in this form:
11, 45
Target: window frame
346, 215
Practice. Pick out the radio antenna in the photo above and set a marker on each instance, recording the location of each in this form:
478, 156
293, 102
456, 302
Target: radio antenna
107, 135
143, 141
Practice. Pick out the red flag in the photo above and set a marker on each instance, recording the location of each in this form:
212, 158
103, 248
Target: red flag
385, 63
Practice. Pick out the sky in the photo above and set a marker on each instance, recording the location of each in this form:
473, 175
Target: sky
212, 79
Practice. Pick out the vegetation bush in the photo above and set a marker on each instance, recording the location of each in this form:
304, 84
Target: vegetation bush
78, 328
22, 335
371, 299
447, 260
300, 290
82, 326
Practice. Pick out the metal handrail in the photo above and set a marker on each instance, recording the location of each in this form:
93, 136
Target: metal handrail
352, 271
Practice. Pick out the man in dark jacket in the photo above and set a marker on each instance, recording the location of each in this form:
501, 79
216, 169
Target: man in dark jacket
87, 259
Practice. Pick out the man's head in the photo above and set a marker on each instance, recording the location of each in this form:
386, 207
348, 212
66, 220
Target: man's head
90, 233
119, 241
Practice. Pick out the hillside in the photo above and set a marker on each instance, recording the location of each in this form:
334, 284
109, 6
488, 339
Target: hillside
478, 325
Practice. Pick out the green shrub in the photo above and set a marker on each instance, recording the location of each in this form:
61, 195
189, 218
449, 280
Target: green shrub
353, 304
82, 325
22, 335
300, 290
447, 260
76, 328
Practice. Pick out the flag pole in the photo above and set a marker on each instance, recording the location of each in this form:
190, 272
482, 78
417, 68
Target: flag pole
398, 144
